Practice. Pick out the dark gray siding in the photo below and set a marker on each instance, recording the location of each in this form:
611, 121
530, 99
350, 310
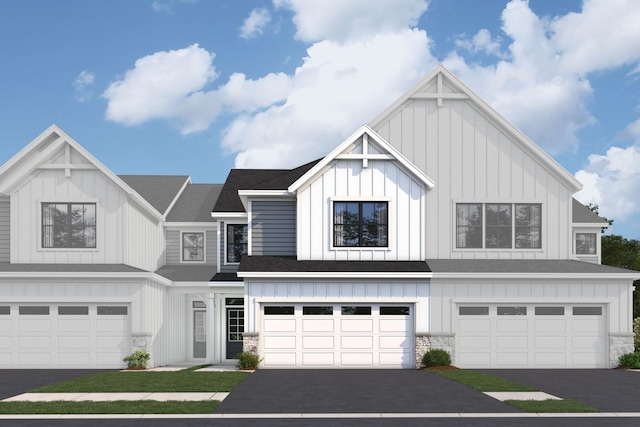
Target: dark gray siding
174, 247
273, 231
5, 239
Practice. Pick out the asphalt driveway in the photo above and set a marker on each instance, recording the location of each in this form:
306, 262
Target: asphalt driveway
354, 391
609, 390
18, 381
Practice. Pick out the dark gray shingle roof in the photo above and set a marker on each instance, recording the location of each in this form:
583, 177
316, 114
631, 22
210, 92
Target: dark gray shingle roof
158, 190
255, 179
582, 214
195, 203
291, 264
69, 268
520, 266
188, 272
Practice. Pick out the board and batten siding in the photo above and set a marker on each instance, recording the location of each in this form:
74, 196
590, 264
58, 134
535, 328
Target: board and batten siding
5, 229
273, 228
382, 180
473, 159
336, 292
174, 246
445, 294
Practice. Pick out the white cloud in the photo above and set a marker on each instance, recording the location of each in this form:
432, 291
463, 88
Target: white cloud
255, 23
161, 7
482, 41
341, 21
82, 85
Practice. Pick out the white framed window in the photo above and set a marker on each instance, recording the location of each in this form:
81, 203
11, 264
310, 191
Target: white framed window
237, 240
68, 225
360, 224
498, 225
586, 243
193, 247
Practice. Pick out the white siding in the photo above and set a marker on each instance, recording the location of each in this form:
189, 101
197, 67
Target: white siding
446, 293
472, 158
380, 181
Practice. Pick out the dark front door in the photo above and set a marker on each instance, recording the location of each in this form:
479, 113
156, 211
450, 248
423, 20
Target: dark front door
235, 328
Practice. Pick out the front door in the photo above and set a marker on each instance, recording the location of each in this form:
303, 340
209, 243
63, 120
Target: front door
199, 334
235, 328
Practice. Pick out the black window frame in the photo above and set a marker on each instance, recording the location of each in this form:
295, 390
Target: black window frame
50, 226
360, 227
234, 249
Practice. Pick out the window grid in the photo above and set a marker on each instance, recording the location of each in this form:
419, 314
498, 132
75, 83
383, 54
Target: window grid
237, 239
68, 225
360, 224
192, 247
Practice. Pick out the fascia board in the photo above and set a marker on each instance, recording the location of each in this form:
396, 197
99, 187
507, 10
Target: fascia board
556, 168
589, 225
221, 216
29, 147
182, 225
333, 275
320, 166
544, 276
245, 195
74, 275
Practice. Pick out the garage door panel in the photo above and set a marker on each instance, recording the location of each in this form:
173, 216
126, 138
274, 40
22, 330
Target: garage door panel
586, 342
279, 325
512, 325
34, 342
393, 359
479, 359
352, 342
317, 325
589, 359
110, 325
394, 325
550, 358
505, 343
356, 359
550, 342
6, 343
6, 359
34, 359
106, 343
313, 343
5, 325
475, 325
587, 325
356, 325
550, 325
75, 325
393, 343
512, 358
275, 342
34, 325
279, 359
77, 342
474, 342
74, 359
318, 359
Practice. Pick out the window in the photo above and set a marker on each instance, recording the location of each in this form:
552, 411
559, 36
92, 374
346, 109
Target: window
585, 243
324, 310
68, 225
278, 310
5, 309
549, 311
395, 311
192, 246
473, 311
33, 309
112, 310
236, 242
587, 311
360, 224
71, 310
498, 225
356, 311
512, 311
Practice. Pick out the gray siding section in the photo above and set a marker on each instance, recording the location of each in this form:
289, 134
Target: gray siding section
231, 268
273, 230
5, 234
174, 247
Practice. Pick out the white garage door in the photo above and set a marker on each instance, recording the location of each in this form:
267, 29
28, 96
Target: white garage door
531, 336
338, 336
63, 335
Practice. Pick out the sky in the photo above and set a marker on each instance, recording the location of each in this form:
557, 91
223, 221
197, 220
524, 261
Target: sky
196, 87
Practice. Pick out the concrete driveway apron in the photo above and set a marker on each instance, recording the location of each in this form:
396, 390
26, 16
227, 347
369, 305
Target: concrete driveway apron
354, 391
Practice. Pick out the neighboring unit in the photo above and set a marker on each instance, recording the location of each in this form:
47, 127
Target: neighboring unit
437, 225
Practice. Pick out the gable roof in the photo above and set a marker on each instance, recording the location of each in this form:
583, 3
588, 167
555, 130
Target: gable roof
366, 133
440, 73
35, 154
195, 203
255, 179
159, 190
584, 215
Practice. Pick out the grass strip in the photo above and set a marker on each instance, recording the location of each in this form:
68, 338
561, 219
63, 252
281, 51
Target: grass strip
481, 381
122, 382
550, 406
114, 407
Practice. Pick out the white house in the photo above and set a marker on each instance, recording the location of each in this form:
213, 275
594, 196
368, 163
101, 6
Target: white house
437, 225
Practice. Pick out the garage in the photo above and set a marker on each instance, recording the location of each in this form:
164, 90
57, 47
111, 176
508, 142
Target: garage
531, 336
348, 335
64, 335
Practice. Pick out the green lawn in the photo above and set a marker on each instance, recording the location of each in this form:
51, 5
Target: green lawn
555, 406
180, 381
116, 407
480, 381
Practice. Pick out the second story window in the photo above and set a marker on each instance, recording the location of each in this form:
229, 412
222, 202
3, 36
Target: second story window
236, 242
68, 225
193, 247
498, 226
585, 244
360, 224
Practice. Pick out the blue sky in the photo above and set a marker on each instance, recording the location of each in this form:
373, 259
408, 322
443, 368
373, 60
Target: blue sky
196, 87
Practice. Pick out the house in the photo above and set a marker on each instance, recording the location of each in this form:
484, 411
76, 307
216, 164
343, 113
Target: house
436, 225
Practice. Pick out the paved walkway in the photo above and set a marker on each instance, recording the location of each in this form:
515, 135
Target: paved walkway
106, 397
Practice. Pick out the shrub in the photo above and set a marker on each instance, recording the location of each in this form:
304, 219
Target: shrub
436, 357
630, 360
247, 360
138, 359
636, 331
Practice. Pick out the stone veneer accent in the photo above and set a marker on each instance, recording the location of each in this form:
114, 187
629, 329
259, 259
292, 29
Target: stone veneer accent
619, 344
142, 341
250, 341
429, 341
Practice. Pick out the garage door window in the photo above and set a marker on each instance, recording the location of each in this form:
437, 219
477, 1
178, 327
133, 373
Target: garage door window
279, 310
112, 310
587, 311
549, 311
33, 310
474, 311
5, 309
73, 310
317, 310
512, 311
395, 311
356, 310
